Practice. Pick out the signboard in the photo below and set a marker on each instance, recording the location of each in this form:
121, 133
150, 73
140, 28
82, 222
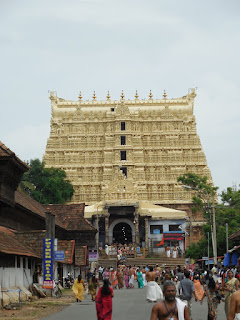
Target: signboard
59, 255
92, 255
204, 258
173, 236
48, 263
138, 250
156, 231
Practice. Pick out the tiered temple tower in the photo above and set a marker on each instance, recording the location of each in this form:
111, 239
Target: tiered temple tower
126, 149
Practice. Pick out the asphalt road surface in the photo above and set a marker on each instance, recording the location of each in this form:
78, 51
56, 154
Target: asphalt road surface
128, 304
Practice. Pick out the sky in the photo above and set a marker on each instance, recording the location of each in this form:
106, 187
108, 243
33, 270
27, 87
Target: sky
69, 46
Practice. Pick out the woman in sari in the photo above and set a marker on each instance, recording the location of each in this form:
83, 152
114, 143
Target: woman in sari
199, 292
114, 279
78, 288
140, 279
92, 287
120, 278
126, 277
230, 286
104, 301
212, 300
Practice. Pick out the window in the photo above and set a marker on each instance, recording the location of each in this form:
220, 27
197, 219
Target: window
112, 109
124, 171
156, 229
123, 140
123, 155
174, 227
123, 126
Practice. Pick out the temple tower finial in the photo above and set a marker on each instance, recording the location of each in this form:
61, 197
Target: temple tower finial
80, 96
164, 94
150, 94
136, 95
122, 95
94, 95
108, 96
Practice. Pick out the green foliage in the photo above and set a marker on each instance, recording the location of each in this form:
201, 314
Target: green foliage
197, 250
227, 212
50, 184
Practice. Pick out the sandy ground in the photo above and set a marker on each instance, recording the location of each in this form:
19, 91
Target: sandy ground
39, 308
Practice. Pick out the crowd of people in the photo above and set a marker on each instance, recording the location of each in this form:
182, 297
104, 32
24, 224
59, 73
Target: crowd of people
177, 285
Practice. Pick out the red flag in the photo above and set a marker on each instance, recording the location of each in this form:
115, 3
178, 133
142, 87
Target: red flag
161, 242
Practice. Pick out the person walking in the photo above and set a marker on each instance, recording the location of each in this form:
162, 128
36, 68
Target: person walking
78, 288
154, 291
199, 292
92, 287
120, 278
187, 287
140, 279
171, 307
212, 299
131, 277
126, 277
104, 301
230, 286
114, 280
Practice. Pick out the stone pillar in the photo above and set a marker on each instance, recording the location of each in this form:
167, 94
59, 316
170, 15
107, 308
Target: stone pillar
107, 229
146, 233
136, 229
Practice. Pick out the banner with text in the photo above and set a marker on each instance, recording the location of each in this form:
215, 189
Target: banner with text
173, 236
48, 263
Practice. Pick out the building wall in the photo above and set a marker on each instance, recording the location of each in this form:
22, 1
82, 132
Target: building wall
17, 276
165, 224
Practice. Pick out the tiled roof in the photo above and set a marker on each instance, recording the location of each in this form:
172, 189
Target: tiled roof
9, 243
5, 152
71, 216
32, 205
68, 247
81, 255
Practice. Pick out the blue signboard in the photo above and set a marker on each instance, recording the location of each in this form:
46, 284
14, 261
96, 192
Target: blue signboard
48, 263
59, 255
156, 231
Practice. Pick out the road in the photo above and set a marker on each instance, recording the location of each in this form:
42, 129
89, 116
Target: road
128, 304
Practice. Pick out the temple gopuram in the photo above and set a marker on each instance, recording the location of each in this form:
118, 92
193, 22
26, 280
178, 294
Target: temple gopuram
123, 158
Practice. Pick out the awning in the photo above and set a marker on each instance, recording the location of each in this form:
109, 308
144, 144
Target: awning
145, 208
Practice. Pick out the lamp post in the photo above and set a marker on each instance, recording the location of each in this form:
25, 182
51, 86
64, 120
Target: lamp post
213, 224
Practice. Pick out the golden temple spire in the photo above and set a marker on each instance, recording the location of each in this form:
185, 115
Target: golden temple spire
122, 95
164, 94
136, 95
108, 96
80, 96
150, 94
94, 95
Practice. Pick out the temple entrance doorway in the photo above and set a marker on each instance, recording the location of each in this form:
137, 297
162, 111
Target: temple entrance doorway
122, 233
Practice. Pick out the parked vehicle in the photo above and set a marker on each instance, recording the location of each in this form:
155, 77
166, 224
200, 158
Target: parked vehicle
68, 282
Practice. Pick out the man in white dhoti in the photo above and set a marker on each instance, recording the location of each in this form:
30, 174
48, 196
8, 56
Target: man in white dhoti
154, 292
131, 278
234, 309
171, 307
168, 251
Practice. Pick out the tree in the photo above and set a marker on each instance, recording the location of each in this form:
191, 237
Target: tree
50, 184
227, 212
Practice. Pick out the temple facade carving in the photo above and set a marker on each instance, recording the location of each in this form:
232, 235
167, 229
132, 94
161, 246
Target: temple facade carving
148, 142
